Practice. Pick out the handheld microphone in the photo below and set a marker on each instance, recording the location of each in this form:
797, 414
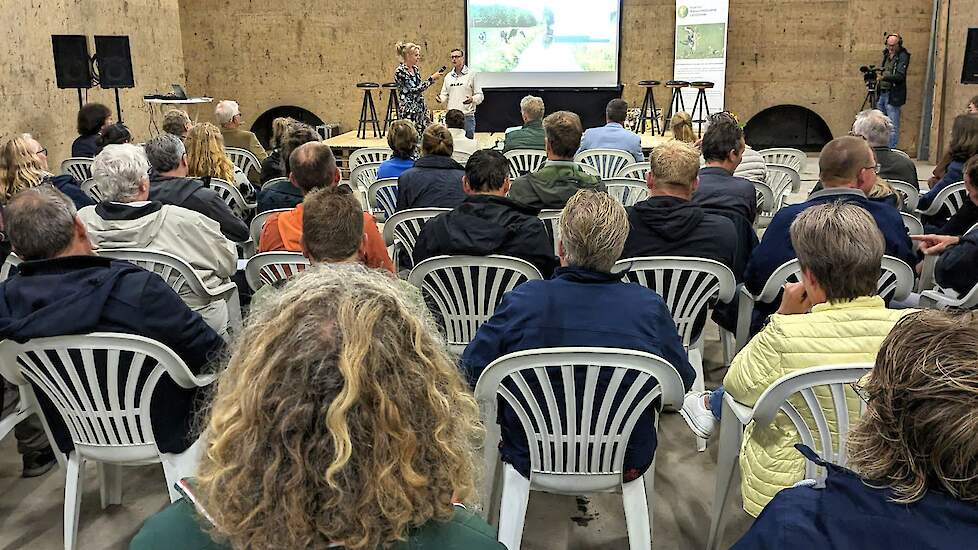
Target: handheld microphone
443, 68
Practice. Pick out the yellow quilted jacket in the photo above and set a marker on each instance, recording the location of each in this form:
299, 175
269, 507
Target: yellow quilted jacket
845, 332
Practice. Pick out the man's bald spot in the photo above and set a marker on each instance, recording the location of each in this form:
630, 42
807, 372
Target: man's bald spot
841, 160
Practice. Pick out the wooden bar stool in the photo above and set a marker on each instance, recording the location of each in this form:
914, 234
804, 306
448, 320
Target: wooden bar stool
675, 103
368, 113
393, 107
700, 105
645, 116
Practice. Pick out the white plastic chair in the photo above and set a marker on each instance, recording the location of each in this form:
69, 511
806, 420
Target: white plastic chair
938, 298
782, 180
90, 188
244, 159
608, 162
637, 170
269, 268
8, 264
382, 196
465, 290
178, 274
79, 167
566, 455
274, 181
913, 224
791, 395
627, 191
952, 197
551, 222
363, 175
690, 287
402, 229
524, 161
901, 153
785, 156
258, 223
588, 169
369, 155
765, 202
232, 196
108, 424
909, 194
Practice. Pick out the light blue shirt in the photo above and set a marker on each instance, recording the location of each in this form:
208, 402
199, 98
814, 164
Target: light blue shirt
613, 136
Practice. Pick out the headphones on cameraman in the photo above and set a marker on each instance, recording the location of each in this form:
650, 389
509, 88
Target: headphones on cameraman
896, 34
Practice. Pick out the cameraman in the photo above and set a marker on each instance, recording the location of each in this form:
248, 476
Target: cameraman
893, 83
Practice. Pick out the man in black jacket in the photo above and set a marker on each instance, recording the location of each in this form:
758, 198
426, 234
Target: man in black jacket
723, 149
169, 184
63, 288
893, 83
487, 222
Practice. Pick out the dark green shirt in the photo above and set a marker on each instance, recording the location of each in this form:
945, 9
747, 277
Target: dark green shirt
530, 136
552, 185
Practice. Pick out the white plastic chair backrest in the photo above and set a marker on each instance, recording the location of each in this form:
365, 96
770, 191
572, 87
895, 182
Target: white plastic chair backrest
8, 263
787, 395
231, 196
175, 271
102, 385
274, 181
687, 285
785, 156
627, 191
637, 170
90, 187
541, 386
244, 159
765, 197
79, 167
895, 281
465, 290
909, 193
383, 194
588, 169
405, 226
782, 180
551, 222
524, 161
912, 223
369, 155
258, 223
363, 175
608, 162
901, 153
269, 268
952, 197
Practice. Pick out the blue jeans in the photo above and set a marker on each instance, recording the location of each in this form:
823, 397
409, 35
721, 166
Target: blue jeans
470, 126
716, 401
892, 111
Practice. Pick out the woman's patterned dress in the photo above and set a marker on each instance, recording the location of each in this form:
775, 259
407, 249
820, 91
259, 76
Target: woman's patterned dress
410, 95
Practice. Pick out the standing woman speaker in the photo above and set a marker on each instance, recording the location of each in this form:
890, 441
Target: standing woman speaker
410, 85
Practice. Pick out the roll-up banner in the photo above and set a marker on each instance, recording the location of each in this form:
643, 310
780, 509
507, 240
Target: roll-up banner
701, 48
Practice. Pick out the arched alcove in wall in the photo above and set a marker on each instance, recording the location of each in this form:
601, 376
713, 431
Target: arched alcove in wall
787, 126
262, 126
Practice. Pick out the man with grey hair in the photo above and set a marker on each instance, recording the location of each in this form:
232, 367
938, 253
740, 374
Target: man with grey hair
876, 127
228, 115
126, 218
63, 288
613, 135
583, 304
177, 122
169, 184
531, 135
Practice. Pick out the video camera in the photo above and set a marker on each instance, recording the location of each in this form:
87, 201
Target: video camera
869, 73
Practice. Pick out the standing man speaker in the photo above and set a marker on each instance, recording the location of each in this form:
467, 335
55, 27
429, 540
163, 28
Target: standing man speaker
462, 91
893, 83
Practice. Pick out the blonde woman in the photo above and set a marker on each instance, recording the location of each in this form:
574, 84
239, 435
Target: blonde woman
410, 86
341, 421
205, 153
682, 127
402, 138
24, 163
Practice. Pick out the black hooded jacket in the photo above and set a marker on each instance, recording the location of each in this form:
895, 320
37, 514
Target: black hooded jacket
487, 224
192, 194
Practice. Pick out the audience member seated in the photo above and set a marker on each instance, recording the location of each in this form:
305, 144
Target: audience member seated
271, 166
435, 181
963, 146
613, 134
206, 158
487, 222
913, 481
169, 184
126, 218
723, 147
340, 422
832, 316
24, 163
847, 168
531, 135
228, 115
114, 134
63, 288
668, 224
312, 166
681, 127
973, 105
752, 166
584, 304
556, 181
402, 138
285, 194
37, 457
177, 122
92, 117
462, 146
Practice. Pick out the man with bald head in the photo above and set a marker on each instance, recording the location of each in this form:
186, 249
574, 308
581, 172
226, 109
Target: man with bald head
893, 82
847, 170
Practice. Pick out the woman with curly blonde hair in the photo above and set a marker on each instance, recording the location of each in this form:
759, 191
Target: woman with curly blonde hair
20, 167
205, 153
340, 421
914, 453
682, 127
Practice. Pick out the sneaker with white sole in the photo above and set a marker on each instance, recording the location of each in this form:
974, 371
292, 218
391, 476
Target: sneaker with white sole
699, 418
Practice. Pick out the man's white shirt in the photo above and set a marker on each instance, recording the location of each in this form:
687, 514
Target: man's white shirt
456, 88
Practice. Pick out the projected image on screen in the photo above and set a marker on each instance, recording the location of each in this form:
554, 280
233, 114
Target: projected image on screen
515, 43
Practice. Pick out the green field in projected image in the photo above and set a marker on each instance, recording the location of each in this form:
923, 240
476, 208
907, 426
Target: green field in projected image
700, 41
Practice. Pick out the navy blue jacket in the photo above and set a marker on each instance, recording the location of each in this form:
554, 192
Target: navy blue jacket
578, 307
848, 514
67, 184
957, 267
721, 190
83, 294
775, 248
278, 195
434, 182
953, 174
86, 146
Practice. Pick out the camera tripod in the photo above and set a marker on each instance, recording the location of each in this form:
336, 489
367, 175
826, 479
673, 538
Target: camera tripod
872, 96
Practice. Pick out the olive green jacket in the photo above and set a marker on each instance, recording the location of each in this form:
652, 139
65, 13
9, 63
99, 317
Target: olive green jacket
530, 136
552, 185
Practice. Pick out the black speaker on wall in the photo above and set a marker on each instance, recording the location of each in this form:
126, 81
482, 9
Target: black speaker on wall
114, 62
72, 64
969, 72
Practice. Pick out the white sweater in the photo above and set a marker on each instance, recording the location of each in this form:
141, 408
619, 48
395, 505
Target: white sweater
456, 87
752, 166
